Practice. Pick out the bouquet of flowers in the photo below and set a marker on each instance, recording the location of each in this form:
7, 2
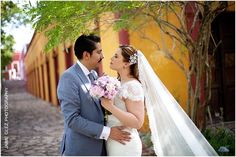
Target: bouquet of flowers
105, 86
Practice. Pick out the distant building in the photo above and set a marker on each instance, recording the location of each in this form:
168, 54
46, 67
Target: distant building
15, 70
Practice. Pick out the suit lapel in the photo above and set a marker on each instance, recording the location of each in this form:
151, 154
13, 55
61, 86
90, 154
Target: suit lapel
80, 73
85, 82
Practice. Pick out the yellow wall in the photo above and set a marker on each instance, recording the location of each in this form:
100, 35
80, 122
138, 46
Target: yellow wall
168, 72
36, 58
164, 68
109, 42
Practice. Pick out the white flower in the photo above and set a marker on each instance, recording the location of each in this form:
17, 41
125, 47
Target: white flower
110, 87
133, 59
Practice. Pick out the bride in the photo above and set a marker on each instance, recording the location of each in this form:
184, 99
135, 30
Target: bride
128, 108
172, 131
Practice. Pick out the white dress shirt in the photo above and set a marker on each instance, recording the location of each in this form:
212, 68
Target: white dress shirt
106, 130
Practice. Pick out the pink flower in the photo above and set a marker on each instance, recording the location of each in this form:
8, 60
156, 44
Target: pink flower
96, 91
105, 86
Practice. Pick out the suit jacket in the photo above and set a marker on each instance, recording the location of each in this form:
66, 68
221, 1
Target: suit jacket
83, 115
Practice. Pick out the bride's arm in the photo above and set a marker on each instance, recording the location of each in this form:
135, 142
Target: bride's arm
134, 117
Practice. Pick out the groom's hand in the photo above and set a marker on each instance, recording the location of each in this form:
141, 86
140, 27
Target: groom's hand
118, 135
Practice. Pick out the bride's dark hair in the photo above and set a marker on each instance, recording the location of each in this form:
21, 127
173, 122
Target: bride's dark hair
126, 52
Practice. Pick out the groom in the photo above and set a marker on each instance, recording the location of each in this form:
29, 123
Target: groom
84, 130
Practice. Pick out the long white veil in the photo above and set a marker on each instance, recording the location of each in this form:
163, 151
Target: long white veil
172, 131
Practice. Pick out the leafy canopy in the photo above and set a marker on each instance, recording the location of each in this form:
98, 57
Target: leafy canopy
66, 20
10, 14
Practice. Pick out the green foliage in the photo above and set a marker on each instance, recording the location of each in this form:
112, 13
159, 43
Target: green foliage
10, 14
8, 11
216, 137
129, 12
66, 20
221, 137
6, 50
146, 138
148, 145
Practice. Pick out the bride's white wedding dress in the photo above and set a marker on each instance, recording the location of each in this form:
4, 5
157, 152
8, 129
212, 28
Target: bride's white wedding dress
129, 90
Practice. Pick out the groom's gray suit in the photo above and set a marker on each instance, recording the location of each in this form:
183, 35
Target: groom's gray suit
83, 115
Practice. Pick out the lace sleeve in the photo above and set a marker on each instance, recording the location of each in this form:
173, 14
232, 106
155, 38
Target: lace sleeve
133, 91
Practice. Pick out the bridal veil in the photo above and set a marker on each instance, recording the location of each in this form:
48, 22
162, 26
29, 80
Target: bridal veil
172, 131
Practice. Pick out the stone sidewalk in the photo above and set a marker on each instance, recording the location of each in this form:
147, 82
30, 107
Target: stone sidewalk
30, 126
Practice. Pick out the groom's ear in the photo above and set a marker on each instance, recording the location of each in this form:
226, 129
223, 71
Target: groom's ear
86, 55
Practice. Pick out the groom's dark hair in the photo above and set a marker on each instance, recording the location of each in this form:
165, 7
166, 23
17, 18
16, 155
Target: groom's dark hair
85, 43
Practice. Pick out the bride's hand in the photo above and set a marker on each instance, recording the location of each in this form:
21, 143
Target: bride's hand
106, 103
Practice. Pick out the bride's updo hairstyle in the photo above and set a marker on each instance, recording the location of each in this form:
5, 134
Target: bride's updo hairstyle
130, 55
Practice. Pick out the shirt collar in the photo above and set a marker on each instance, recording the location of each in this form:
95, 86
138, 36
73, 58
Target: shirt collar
84, 69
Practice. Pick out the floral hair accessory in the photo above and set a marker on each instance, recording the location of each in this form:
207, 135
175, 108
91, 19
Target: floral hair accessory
133, 59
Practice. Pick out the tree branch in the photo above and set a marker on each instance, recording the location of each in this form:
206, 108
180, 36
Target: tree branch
194, 21
171, 35
181, 65
152, 41
183, 27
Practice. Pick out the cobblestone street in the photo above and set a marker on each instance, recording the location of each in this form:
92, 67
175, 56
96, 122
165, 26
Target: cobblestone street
30, 126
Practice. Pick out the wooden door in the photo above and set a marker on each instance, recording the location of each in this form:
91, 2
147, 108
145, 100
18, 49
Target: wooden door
223, 68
